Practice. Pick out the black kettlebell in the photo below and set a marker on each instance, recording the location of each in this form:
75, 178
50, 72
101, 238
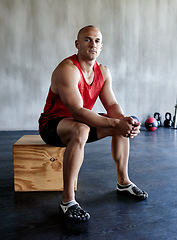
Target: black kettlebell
158, 118
168, 121
173, 121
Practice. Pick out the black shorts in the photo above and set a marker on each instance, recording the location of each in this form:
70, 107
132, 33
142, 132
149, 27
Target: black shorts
49, 133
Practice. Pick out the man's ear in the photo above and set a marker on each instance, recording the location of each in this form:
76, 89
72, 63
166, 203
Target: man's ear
76, 44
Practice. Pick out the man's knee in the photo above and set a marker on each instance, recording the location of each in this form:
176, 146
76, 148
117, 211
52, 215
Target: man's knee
80, 133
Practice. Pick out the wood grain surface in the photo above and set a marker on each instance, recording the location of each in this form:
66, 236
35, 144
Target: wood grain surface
37, 166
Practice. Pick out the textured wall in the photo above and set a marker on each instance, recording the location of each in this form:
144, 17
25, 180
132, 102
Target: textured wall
139, 48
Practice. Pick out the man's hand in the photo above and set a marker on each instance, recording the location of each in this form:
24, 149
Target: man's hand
135, 129
129, 127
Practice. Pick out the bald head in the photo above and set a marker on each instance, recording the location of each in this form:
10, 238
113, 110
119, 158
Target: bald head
85, 29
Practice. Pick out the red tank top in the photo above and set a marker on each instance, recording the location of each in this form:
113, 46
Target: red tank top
55, 108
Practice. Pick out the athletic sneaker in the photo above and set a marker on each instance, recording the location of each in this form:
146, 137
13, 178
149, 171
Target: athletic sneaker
73, 212
132, 190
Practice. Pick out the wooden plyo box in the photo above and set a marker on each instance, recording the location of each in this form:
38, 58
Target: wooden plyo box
37, 165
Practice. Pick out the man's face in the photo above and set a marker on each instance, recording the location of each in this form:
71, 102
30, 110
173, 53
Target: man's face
89, 43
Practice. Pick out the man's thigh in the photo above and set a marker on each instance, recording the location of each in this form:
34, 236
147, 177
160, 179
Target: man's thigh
67, 127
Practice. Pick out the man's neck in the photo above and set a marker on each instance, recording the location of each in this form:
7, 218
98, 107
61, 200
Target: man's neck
85, 64
87, 67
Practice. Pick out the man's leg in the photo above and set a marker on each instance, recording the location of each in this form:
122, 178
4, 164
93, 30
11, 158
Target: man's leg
120, 154
74, 135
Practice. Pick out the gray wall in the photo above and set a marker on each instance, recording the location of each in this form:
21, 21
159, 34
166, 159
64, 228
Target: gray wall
139, 48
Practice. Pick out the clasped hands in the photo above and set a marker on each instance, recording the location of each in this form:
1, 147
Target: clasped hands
129, 127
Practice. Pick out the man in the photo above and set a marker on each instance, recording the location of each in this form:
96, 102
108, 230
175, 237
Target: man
68, 120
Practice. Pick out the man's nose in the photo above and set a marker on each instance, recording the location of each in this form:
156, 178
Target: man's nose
93, 43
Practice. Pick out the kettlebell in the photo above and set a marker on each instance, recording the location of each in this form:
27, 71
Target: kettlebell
158, 118
173, 121
168, 121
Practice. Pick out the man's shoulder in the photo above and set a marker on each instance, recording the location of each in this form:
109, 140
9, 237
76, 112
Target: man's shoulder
65, 66
105, 70
103, 67
65, 63
65, 72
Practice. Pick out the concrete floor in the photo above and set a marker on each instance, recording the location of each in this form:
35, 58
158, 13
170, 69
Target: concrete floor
152, 166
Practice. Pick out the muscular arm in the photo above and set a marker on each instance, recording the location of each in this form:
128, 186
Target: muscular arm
66, 78
107, 97
113, 109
